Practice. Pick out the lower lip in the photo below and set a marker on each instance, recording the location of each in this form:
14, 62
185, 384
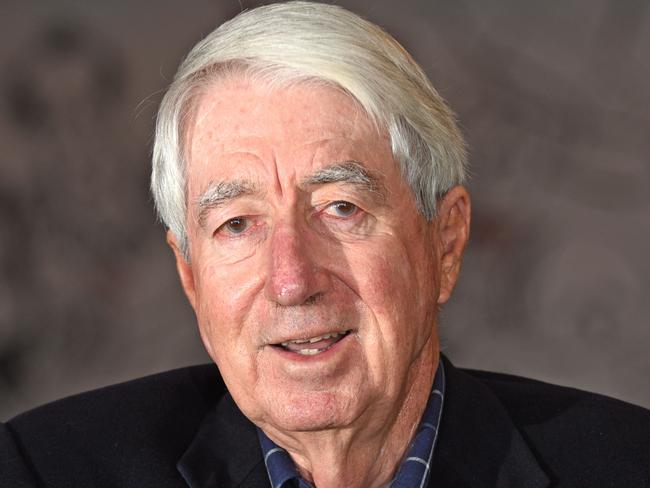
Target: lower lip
295, 356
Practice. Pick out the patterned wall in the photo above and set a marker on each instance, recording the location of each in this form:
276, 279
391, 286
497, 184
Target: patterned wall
553, 97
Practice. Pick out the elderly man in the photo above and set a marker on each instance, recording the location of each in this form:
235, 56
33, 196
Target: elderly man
309, 175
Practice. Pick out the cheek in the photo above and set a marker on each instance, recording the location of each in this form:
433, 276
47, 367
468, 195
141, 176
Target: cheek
226, 287
399, 289
385, 279
225, 296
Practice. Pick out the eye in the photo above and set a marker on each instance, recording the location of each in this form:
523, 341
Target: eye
235, 226
343, 209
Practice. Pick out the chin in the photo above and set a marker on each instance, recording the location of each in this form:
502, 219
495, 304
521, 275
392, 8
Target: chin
312, 412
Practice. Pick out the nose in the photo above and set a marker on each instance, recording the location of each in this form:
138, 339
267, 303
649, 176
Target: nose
293, 278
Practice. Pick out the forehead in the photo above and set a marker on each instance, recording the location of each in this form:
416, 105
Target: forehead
243, 129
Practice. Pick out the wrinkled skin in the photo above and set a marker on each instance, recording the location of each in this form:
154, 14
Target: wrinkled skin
292, 259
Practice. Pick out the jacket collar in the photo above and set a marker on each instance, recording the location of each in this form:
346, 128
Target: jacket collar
478, 445
225, 451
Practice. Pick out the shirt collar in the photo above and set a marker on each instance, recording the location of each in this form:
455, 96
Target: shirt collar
413, 471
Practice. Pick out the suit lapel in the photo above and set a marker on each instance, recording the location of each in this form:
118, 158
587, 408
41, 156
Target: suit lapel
225, 453
478, 444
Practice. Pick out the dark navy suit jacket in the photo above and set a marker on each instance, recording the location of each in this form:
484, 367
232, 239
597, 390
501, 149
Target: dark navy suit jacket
181, 429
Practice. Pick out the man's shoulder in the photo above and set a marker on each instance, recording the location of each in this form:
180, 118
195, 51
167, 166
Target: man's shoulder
202, 380
533, 402
117, 433
579, 435
190, 390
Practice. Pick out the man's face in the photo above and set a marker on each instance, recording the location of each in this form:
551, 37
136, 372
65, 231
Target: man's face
313, 276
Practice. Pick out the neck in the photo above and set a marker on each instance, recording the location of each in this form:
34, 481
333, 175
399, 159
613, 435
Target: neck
356, 458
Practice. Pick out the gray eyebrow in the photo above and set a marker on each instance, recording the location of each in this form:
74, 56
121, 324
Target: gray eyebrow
350, 172
219, 193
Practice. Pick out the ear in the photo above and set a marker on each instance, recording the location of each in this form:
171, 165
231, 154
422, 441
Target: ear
453, 221
184, 269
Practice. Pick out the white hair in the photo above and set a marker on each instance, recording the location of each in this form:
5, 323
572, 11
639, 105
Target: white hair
301, 41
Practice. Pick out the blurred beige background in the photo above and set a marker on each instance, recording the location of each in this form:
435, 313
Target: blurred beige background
554, 98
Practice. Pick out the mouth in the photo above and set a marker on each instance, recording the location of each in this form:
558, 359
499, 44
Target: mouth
312, 345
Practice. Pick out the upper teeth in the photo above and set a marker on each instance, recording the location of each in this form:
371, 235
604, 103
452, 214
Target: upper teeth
313, 339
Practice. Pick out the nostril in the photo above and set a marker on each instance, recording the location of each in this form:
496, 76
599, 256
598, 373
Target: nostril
316, 297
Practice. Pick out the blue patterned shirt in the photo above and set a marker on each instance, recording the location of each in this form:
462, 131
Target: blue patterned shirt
414, 470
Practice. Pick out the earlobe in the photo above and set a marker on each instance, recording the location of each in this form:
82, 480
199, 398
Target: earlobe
454, 212
184, 268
